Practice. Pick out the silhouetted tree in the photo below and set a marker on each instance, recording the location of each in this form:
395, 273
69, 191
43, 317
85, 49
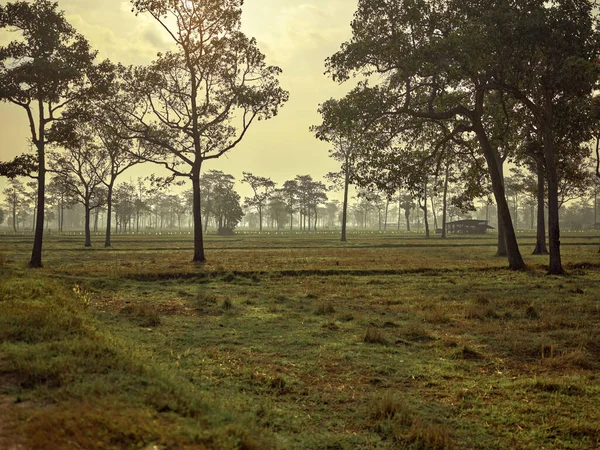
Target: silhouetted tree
198, 102
263, 188
45, 69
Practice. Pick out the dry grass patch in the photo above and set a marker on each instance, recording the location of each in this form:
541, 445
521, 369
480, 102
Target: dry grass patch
374, 336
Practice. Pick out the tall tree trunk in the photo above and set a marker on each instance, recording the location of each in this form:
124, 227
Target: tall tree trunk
540, 243
260, 218
96, 218
407, 217
387, 206
62, 213
109, 193
505, 226
206, 218
555, 266
445, 201
345, 205
88, 234
435, 224
198, 237
14, 211
36, 253
399, 210
424, 207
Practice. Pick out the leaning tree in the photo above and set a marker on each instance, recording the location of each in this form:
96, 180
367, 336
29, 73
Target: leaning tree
197, 102
430, 64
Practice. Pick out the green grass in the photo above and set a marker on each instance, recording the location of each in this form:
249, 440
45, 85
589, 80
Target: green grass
299, 341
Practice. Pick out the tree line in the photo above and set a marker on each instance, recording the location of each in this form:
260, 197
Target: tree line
300, 204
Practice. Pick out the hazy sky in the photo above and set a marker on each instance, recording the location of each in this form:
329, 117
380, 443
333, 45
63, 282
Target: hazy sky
296, 35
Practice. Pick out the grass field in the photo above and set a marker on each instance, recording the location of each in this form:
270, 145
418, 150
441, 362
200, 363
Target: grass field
299, 342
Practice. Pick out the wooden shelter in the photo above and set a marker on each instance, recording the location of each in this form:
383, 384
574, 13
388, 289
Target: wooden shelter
468, 226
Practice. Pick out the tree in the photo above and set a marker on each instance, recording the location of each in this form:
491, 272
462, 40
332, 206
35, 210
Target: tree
198, 102
549, 53
435, 70
77, 169
43, 71
339, 130
289, 193
60, 195
227, 209
14, 200
263, 189
118, 155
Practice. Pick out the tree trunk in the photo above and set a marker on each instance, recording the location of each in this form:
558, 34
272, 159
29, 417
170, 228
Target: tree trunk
435, 224
505, 226
88, 234
62, 214
345, 206
399, 210
445, 202
387, 205
540, 244
260, 218
197, 212
424, 207
109, 195
555, 266
14, 211
407, 217
96, 218
36, 253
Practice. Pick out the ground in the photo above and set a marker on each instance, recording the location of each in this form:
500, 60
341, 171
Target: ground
298, 341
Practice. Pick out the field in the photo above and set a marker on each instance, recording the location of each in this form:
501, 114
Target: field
298, 342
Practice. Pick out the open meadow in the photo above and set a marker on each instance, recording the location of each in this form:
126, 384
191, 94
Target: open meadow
294, 341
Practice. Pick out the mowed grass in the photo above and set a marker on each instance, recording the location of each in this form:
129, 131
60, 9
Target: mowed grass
298, 341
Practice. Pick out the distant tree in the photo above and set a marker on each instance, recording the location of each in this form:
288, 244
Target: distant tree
277, 208
14, 200
46, 68
332, 210
341, 131
213, 184
118, 155
1, 216
226, 206
60, 196
198, 102
124, 199
311, 194
262, 188
77, 169
289, 192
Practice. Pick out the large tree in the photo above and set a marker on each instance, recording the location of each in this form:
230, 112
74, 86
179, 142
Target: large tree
431, 66
197, 102
548, 53
46, 68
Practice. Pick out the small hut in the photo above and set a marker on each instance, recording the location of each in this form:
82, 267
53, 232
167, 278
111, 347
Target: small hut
468, 226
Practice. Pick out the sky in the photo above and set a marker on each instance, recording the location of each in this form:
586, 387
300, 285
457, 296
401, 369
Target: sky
296, 35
